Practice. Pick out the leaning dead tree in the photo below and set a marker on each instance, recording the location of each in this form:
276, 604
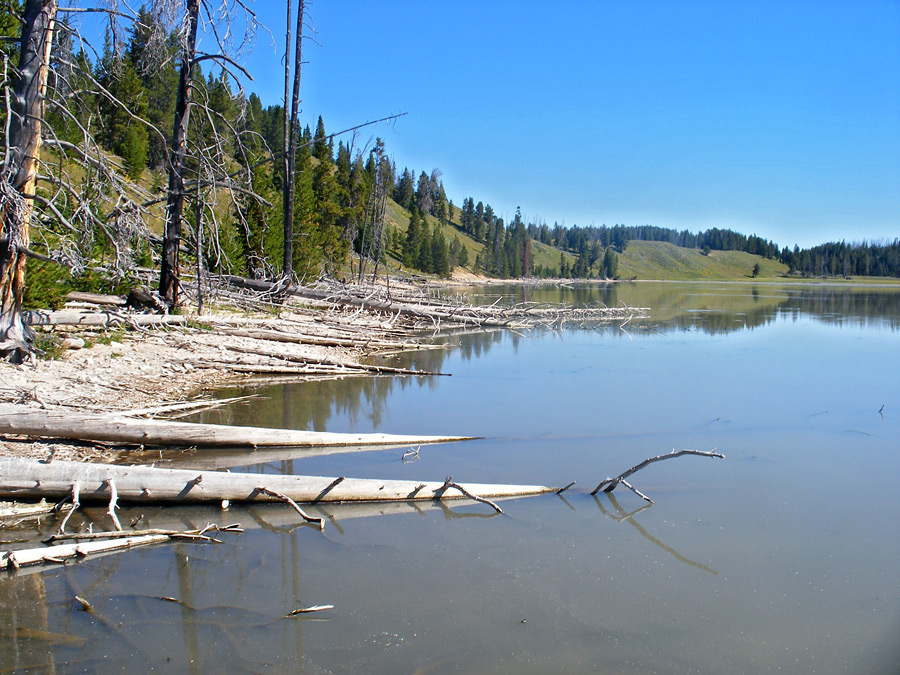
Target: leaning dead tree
19, 172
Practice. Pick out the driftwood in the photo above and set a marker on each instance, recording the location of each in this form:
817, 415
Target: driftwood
59, 554
436, 310
120, 429
610, 484
96, 298
306, 339
28, 478
317, 361
94, 318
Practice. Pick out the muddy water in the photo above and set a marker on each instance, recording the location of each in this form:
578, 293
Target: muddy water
784, 556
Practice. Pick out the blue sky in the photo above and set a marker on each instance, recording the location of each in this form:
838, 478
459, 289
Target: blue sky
778, 118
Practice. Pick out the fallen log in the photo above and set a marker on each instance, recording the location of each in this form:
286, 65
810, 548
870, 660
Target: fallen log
120, 429
46, 318
58, 554
29, 478
320, 361
96, 298
306, 339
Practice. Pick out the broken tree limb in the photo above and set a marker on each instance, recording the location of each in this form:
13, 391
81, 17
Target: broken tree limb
610, 484
113, 504
309, 519
119, 429
76, 502
450, 484
197, 533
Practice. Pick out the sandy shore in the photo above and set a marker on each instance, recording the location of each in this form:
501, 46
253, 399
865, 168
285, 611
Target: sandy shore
123, 370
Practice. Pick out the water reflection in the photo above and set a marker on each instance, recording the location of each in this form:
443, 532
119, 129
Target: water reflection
621, 515
310, 405
716, 308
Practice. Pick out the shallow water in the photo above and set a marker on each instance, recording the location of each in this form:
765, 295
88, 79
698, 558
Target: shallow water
783, 556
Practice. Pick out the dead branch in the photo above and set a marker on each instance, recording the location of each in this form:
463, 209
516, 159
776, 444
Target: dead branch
287, 500
308, 610
113, 504
610, 484
76, 487
450, 484
88, 536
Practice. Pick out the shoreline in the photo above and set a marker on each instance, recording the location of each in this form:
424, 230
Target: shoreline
121, 370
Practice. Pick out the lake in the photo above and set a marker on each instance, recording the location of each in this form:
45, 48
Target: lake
784, 556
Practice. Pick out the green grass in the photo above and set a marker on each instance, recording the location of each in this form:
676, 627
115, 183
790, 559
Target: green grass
664, 261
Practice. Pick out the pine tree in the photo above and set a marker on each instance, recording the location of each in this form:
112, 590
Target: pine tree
439, 255
412, 240
123, 132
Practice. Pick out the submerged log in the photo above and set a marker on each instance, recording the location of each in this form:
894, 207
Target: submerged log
28, 478
114, 428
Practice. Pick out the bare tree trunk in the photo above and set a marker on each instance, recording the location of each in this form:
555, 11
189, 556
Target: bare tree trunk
119, 429
290, 135
27, 478
20, 170
168, 276
287, 183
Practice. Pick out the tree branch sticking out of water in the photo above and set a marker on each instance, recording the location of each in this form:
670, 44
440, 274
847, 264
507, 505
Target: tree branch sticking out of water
287, 500
450, 484
610, 484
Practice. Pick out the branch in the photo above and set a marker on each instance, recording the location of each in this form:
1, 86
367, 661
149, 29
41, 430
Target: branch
610, 484
287, 500
450, 484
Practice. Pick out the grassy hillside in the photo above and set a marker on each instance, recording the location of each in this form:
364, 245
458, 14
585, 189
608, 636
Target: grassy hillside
640, 260
661, 260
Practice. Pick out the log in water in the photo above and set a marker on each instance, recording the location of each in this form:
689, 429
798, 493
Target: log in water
29, 478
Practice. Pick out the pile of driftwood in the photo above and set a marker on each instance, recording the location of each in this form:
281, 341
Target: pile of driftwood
437, 311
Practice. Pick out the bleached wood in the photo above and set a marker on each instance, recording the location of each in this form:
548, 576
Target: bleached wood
34, 556
28, 478
120, 429
95, 318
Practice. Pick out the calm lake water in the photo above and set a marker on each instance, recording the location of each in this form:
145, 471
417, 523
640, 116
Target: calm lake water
785, 556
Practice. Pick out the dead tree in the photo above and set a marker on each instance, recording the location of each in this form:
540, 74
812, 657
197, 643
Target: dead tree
290, 133
371, 243
17, 183
168, 274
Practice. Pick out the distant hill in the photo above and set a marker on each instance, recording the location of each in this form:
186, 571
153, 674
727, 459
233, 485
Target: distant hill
661, 260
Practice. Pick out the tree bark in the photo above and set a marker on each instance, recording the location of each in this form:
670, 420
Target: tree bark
168, 275
290, 134
20, 170
28, 478
120, 429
